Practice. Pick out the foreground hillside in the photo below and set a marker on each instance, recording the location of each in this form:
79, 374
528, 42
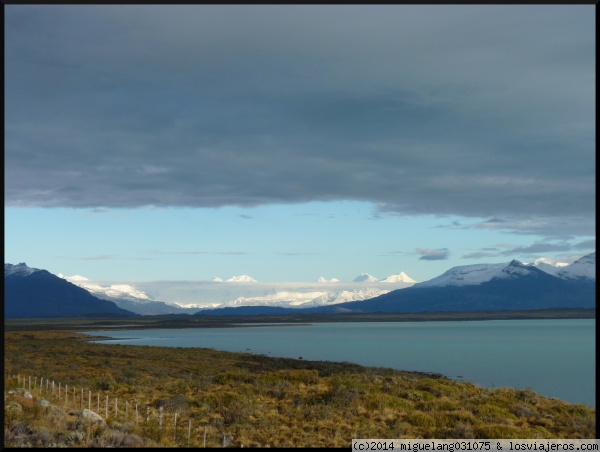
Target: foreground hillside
256, 400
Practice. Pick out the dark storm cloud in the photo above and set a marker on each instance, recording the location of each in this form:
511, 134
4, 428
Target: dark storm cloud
483, 111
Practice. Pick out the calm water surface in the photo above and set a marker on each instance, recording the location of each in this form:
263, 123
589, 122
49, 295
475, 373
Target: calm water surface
555, 358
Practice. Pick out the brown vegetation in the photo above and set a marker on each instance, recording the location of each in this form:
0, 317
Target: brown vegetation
256, 401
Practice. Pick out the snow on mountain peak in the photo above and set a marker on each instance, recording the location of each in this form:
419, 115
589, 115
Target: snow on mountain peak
73, 278
465, 275
125, 291
241, 278
20, 269
324, 280
217, 279
400, 277
582, 268
365, 277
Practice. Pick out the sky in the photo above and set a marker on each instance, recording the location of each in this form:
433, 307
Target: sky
292, 142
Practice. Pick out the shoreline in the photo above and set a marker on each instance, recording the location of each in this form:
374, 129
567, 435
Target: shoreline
200, 321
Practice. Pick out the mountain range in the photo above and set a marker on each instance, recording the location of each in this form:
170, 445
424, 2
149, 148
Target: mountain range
478, 287
249, 293
127, 297
31, 292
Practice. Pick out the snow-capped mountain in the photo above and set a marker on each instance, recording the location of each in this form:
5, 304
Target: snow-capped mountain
291, 299
31, 292
582, 269
125, 291
324, 280
241, 278
365, 277
484, 287
546, 267
18, 270
344, 296
217, 279
400, 277
127, 297
466, 275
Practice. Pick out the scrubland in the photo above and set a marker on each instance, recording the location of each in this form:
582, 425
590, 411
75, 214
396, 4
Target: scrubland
238, 399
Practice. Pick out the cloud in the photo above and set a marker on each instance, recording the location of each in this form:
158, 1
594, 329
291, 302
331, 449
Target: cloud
196, 253
433, 255
564, 249
417, 109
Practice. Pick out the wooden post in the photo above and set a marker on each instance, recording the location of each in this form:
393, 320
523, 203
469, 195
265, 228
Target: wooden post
160, 415
52, 388
66, 393
19, 381
204, 436
98, 403
189, 430
89, 400
47, 385
126, 410
147, 414
34, 382
175, 427
136, 413
116, 408
59, 390
81, 400
30, 383
106, 407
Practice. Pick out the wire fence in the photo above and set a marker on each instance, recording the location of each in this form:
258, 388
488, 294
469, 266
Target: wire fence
151, 421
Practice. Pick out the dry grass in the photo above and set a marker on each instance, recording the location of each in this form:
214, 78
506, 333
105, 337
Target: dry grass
258, 401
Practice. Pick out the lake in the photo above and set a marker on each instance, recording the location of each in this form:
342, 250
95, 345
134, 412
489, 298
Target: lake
555, 358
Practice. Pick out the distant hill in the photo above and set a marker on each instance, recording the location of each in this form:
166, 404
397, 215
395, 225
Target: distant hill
31, 292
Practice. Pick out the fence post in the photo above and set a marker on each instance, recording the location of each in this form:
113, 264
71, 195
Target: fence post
136, 413
66, 393
204, 442
19, 381
126, 411
59, 390
47, 386
160, 415
29, 383
89, 400
34, 382
175, 427
81, 401
98, 403
189, 430
116, 408
106, 407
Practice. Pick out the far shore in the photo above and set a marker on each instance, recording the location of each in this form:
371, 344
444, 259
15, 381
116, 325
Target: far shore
198, 321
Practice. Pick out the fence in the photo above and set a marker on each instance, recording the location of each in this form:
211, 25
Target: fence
156, 423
